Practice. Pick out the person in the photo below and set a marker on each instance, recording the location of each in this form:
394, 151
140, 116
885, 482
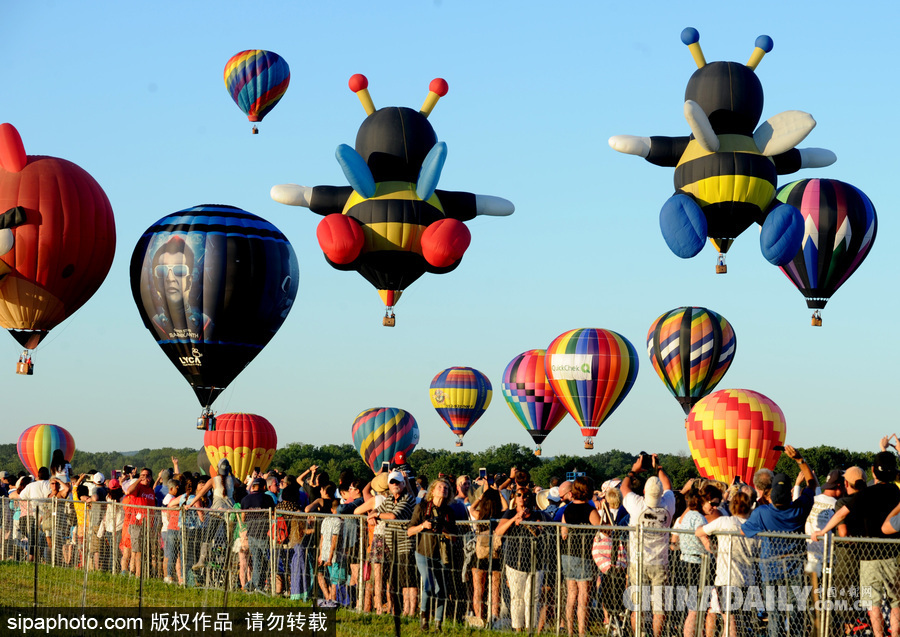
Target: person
762, 482
214, 532
565, 496
780, 562
351, 498
172, 270
111, 527
524, 576
255, 515
548, 501
374, 493
60, 467
462, 500
328, 564
870, 511
138, 494
433, 520
687, 570
398, 505
487, 509
577, 565
653, 510
172, 536
35, 490
735, 562
819, 515
297, 527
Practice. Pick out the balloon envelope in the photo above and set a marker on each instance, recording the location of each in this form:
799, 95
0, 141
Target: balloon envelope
203, 461
733, 432
59, 242
460, 395
381, 432
591, 370
37, 444
530, 396
256, 81
839, 230
691, 348
213, 284
247, 441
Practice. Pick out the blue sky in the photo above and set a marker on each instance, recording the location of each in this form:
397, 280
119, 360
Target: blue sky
133, 93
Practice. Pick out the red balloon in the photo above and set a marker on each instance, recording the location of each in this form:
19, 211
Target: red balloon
247, 441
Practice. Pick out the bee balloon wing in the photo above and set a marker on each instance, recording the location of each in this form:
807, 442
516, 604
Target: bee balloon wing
780, 133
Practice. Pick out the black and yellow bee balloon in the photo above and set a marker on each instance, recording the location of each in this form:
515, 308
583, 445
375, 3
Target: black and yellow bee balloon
725, 171
392, 224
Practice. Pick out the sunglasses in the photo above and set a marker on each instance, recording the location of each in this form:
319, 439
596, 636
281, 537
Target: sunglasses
180, 270
395, 482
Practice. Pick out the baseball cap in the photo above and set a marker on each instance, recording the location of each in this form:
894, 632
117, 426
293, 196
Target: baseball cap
781, 490
653, 490
396, 476
98, 478
4, 475
399, 458
612, 483
258, 482
885, 466
553, 494
835, 480
854, 476
114, 484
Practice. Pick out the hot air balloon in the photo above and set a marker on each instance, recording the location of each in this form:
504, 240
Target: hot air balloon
57, 240
256, 81
379, 433
839, 230
392, 224
734, 432
725, 171
591, 370
213, 284
37, 444
247, 441
530, 396
691, 348
203, 462
460, 395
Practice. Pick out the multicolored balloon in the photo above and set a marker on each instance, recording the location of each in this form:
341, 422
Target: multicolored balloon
392, 224
379, 433
247, 441
734, 432
530, 396
725, 171
57, 239
256, 81
460, 395
591, 370
213, 284
37, 444
839, 229
691, 348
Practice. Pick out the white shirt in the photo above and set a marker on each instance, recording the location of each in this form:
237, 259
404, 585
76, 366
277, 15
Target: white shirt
656, 545
37, 490
819, 515
736, 551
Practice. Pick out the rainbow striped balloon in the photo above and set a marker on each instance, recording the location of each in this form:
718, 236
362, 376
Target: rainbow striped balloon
37, 444
247, 441
256, 81
460, 395
591, 370
530, 396
379, 433
691, 348
733, 432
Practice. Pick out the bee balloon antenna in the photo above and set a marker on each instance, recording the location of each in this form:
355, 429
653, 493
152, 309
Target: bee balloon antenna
691, 37
763, 45
359, 84
436, 90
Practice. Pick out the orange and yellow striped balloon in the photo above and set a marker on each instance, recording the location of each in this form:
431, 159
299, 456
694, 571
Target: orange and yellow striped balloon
733, 432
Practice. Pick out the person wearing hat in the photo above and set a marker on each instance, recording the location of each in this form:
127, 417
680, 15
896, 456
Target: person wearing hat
374, 495
399, 505
255, 516
779, 557
868, 514
548, 501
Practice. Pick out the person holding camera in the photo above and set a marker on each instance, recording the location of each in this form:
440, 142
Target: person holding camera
520, 555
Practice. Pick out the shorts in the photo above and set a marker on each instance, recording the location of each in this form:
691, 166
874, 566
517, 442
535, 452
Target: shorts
878, 582
577, 569
134, 534
656, 577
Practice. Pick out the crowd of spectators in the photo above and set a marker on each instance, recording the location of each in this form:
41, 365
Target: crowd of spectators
479, 550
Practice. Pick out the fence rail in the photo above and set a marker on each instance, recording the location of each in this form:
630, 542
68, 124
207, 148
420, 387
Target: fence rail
537, 577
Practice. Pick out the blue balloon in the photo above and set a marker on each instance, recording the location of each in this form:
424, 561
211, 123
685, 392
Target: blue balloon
781, 235
683, 226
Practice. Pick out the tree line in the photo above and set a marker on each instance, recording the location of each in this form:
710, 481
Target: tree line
295, 458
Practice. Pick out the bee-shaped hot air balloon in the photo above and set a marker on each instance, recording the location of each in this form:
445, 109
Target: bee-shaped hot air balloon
726, 172
392, 224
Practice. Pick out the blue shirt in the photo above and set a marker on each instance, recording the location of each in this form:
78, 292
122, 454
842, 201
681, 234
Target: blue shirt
781, 558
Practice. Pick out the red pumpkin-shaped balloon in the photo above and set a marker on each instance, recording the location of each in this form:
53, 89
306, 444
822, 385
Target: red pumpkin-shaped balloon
247, 441
57, 239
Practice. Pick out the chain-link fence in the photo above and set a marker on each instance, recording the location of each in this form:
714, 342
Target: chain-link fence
535, 577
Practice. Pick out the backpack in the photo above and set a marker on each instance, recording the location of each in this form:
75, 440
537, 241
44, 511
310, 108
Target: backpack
604, 549
279, 530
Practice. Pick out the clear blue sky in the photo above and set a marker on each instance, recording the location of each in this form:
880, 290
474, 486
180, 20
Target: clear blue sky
133, 93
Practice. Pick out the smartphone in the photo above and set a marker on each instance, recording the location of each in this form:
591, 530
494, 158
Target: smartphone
646, 461
385, 466
256, 469
482, 473
778, 447
737, 480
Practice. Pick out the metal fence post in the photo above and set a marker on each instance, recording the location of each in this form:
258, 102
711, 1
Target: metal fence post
85, 558
558, 577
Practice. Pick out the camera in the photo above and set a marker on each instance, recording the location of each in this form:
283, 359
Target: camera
646, 461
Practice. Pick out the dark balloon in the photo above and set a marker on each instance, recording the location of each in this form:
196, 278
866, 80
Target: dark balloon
213, 284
